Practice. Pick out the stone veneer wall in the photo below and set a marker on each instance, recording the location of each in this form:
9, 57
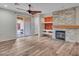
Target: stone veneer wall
65, 17
68, 17
77, 23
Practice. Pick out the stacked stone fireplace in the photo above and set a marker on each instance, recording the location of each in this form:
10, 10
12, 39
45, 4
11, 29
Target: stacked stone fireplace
70, 35
68, 17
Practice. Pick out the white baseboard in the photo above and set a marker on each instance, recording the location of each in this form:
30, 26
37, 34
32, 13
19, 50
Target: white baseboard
1, 40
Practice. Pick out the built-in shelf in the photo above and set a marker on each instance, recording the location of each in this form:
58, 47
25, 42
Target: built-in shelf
47, 30
47, 33
47, 22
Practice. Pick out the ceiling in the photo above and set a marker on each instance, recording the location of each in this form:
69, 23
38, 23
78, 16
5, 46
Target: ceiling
44, 7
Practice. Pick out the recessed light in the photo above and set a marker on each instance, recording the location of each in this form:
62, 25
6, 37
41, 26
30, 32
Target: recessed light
5, 5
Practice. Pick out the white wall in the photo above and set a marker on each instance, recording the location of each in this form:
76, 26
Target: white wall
7, 25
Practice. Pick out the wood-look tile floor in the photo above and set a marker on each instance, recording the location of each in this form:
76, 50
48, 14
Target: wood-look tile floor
44, 46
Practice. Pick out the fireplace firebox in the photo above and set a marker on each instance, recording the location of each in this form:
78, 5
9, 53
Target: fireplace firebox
60, 35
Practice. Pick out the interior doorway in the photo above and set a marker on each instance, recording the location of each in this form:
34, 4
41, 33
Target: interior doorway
24, 26
20, 26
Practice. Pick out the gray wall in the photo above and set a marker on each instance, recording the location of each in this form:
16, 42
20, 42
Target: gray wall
7, 25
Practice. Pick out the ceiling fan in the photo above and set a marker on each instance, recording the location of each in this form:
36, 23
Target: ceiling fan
32, 12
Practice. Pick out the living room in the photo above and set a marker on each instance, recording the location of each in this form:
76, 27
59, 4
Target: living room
39, 29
